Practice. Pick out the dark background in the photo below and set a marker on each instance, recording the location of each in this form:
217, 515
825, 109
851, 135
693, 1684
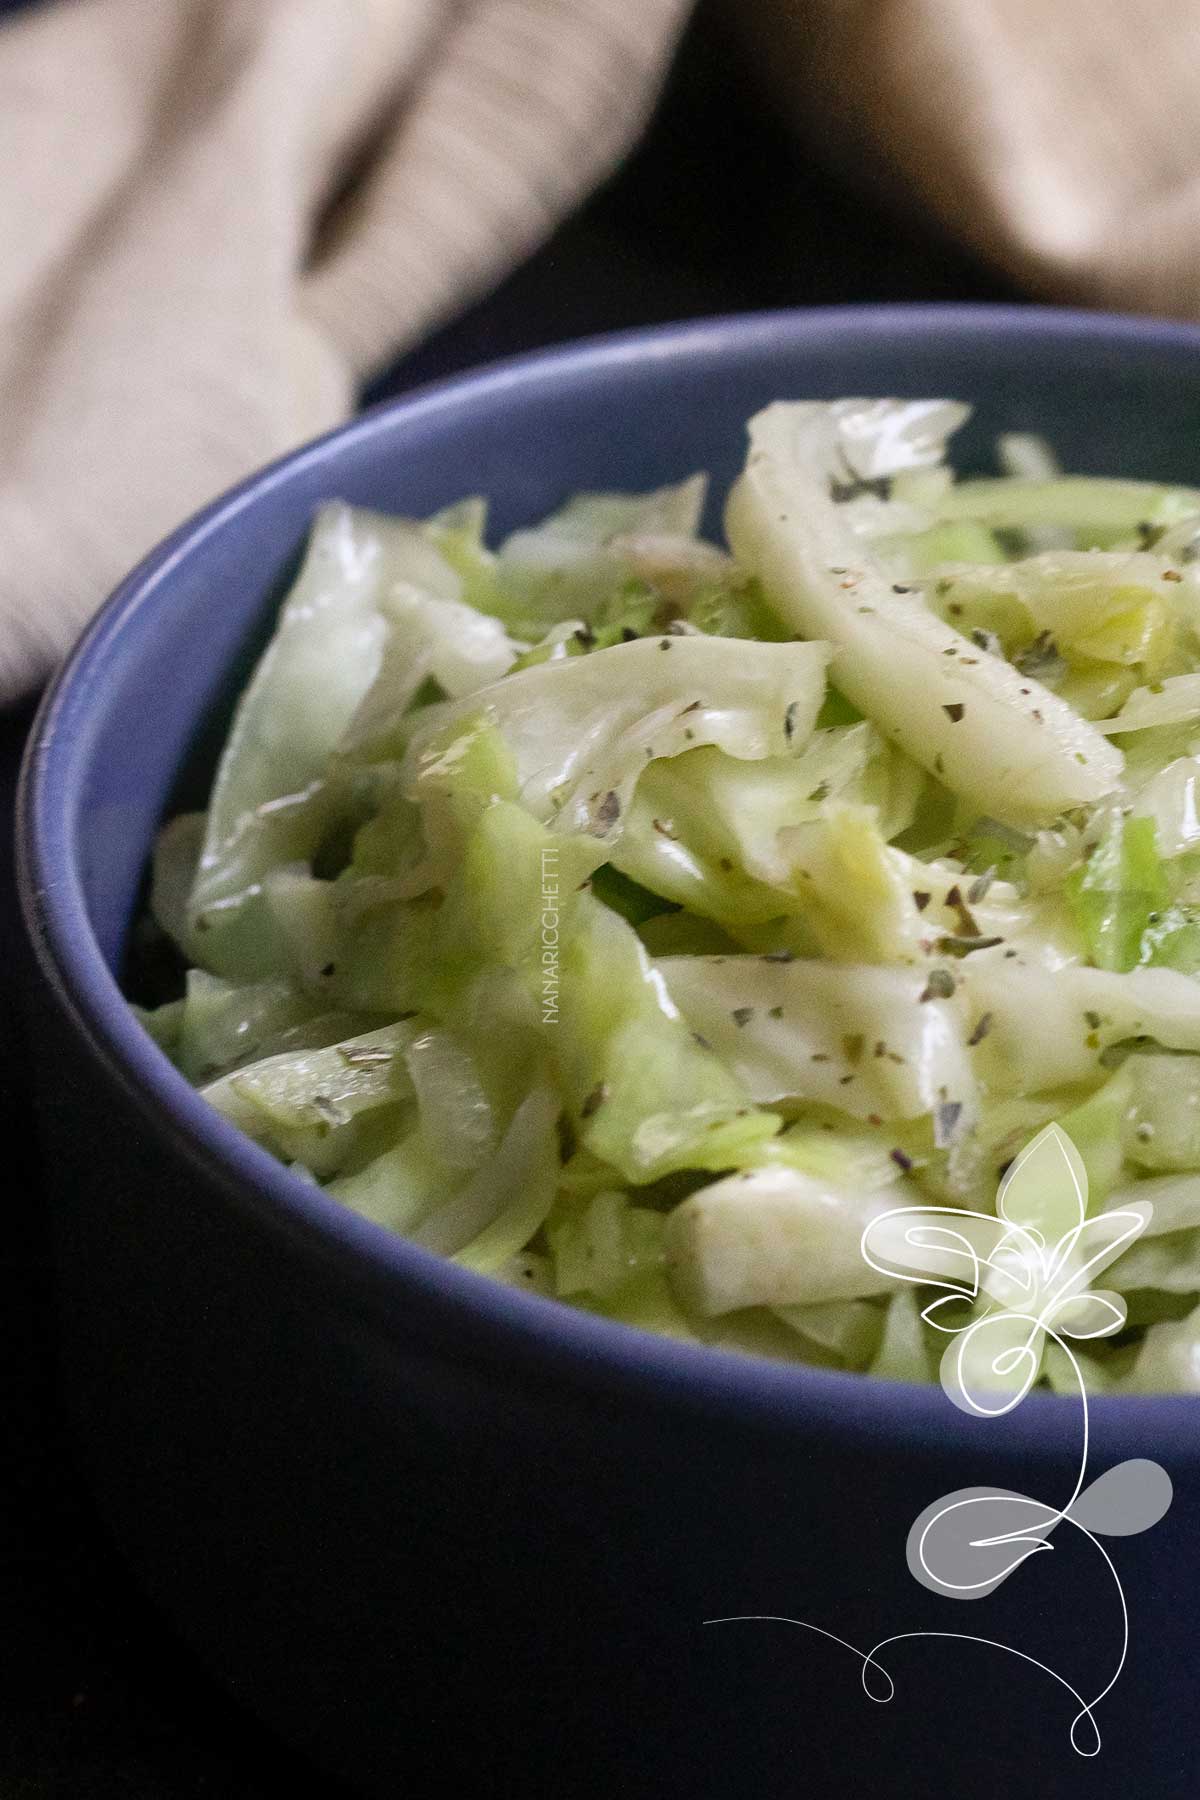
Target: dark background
720, 210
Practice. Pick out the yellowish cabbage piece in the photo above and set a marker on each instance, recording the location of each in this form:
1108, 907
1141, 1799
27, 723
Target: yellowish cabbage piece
582, 729
1048, 1032
996, 737
306, 1106
321, 662
1089, 505
572, 561
1175, 701
1107, 606
866, 901
773, 1237
854, 1037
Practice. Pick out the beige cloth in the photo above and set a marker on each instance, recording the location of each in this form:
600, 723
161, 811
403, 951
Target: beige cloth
1059, 138
218, 216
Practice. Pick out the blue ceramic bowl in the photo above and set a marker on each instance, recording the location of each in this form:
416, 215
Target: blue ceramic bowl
450, 1537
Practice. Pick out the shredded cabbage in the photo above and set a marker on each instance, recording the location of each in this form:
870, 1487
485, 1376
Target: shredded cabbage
639, 921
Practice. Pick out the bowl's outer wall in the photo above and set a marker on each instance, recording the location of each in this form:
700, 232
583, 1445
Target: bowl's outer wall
441, 1567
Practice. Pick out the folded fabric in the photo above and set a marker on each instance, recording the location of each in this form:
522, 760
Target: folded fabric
219, 216
1059, 138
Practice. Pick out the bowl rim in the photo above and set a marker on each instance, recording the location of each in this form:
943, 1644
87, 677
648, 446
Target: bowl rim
376, 1268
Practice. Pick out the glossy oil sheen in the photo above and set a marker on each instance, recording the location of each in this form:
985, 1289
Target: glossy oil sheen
448, 1537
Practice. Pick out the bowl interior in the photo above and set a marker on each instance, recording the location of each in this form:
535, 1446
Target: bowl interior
134, 723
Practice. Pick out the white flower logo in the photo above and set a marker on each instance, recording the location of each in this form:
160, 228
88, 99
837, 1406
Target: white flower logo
1010, 1281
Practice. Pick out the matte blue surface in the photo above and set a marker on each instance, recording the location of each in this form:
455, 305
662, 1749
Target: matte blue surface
433, 1527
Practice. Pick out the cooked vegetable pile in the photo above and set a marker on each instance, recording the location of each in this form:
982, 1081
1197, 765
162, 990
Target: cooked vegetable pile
636, 921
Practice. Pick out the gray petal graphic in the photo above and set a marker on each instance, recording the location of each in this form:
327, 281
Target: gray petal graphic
1128, 1498
948, 1547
